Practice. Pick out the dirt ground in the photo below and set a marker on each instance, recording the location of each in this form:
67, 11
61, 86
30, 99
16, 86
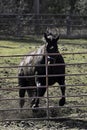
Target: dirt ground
68, 123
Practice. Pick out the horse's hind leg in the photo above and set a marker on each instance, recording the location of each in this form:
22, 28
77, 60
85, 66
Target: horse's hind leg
62, 87
21, 95
22, 83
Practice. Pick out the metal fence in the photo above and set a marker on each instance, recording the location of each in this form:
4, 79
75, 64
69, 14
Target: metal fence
76, 93
23, 25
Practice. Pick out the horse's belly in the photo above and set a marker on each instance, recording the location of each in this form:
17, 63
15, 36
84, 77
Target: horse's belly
51, 81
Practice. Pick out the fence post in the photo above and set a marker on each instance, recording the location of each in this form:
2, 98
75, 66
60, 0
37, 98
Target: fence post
68, 25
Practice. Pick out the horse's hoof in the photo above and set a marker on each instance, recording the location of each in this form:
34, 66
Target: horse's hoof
62, 102
35, 108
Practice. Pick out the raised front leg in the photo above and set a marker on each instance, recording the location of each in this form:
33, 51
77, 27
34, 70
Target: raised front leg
39, 93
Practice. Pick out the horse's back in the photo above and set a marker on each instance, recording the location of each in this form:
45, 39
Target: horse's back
27, 65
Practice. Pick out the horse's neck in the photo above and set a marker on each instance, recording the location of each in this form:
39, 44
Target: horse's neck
56, 49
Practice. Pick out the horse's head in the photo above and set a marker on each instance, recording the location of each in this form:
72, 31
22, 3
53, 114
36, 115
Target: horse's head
51, 42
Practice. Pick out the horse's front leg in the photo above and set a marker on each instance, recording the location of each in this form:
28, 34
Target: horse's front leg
62, 87
35, 101
39, 93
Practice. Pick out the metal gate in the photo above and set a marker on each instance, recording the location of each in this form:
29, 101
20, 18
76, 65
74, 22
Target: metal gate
76, 92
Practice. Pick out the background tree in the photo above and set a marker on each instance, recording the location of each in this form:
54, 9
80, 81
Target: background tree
54, 6
81, 7
72, 4
46, 6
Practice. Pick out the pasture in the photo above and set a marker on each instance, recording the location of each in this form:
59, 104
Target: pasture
75, 109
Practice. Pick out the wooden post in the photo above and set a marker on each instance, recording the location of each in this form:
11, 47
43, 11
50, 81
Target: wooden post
68, 25
37, 7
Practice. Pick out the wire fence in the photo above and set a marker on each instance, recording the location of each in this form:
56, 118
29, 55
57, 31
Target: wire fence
76, 93
23, 25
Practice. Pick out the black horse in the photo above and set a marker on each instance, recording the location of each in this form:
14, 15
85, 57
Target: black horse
53, 57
